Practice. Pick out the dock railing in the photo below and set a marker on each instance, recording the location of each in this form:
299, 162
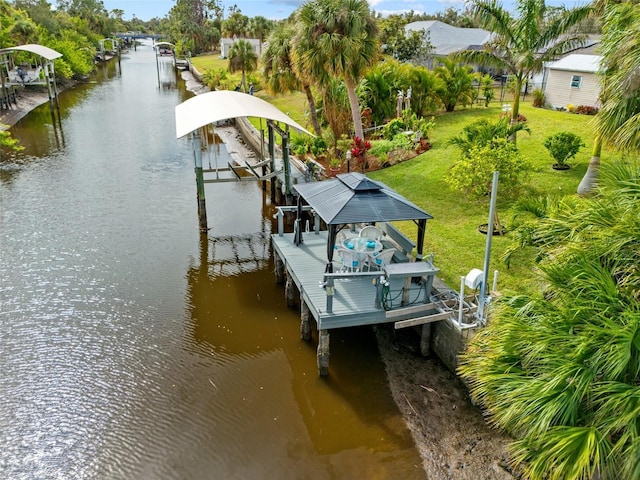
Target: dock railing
293, 208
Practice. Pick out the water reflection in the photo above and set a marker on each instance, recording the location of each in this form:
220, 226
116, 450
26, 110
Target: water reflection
134, 347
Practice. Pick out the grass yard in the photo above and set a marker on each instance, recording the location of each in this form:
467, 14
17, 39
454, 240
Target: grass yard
453, 235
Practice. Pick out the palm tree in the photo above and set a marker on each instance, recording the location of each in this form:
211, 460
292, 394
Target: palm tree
560, 370
522, 44
280, 70
260, 28
243, 58
620, 89
456, 84
617, 121
337, 38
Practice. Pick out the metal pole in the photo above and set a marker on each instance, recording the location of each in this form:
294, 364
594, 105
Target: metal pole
202, 205
487, 252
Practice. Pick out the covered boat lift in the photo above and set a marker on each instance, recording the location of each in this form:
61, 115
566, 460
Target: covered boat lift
42, 73
197, 113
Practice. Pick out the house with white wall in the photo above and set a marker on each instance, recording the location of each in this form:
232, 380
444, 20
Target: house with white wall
225, 45
573, 80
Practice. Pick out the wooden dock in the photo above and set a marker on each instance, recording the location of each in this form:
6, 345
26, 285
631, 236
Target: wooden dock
401, 293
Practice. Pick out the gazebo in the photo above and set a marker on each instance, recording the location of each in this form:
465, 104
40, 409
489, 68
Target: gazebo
355, 198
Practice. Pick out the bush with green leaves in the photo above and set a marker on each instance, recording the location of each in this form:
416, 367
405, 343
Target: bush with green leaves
394, 127
299, 145
482, 131
563, 146
473, 173
560, 369
318, 146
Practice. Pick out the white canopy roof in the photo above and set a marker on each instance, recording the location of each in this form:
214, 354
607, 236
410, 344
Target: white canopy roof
41, 50
212, 107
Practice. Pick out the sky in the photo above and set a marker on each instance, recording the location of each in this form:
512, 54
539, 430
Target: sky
279, 9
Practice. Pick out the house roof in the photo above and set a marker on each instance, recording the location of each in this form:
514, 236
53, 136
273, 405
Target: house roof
212, 107
354, 198
41, 50
447, 39
577, 63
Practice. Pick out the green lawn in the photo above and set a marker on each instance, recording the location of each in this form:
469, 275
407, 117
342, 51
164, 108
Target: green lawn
452, 235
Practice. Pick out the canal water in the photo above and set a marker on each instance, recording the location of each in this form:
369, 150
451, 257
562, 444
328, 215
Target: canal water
132, 346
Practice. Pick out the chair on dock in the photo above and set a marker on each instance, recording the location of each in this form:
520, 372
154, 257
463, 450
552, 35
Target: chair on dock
374, 233
380, 259
351, 261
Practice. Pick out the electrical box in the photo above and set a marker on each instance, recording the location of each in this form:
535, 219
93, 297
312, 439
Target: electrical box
473, 280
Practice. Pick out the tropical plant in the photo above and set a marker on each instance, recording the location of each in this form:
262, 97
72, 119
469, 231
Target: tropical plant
260, 27
473, 173
560, 370
563, 146
522, 44
486, 83
337, 38
538, 97
456, 85
481, 132
243, 58
335, 107
616, 122
281, 72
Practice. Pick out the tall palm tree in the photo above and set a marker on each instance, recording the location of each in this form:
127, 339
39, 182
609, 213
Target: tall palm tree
522, 44
243, 58
560, 370
337, 38
618, 119
280, 70
260, 27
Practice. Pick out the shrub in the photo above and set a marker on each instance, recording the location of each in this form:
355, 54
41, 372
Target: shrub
539, 98
318, 146
392, 128
473, 174
586, 110
563, 146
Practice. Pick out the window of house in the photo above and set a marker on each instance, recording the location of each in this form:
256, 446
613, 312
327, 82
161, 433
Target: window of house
576, 80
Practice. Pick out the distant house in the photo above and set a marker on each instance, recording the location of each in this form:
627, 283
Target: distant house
225, 45
446, 39
573, 80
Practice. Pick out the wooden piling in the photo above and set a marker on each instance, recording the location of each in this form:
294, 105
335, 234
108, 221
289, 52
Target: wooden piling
290, 291
323, 353
280, 272
305, 324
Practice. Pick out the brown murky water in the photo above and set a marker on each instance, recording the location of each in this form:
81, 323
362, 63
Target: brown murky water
133, 347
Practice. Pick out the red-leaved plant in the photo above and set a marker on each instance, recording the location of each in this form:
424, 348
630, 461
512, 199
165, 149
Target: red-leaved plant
359, 149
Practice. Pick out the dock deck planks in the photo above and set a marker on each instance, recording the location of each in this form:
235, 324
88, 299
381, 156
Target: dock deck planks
354, 299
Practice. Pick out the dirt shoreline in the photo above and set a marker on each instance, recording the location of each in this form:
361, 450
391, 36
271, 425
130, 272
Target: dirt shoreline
451, 436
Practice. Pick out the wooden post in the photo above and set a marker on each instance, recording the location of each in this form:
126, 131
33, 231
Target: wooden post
305, 325
323, 353
287, 166
280, 273
289, 292
425, 339
202, 204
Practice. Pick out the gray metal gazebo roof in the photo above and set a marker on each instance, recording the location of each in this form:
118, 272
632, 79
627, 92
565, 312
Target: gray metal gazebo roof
354, 198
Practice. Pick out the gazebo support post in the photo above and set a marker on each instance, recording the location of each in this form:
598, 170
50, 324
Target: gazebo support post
422, 227
202, 204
